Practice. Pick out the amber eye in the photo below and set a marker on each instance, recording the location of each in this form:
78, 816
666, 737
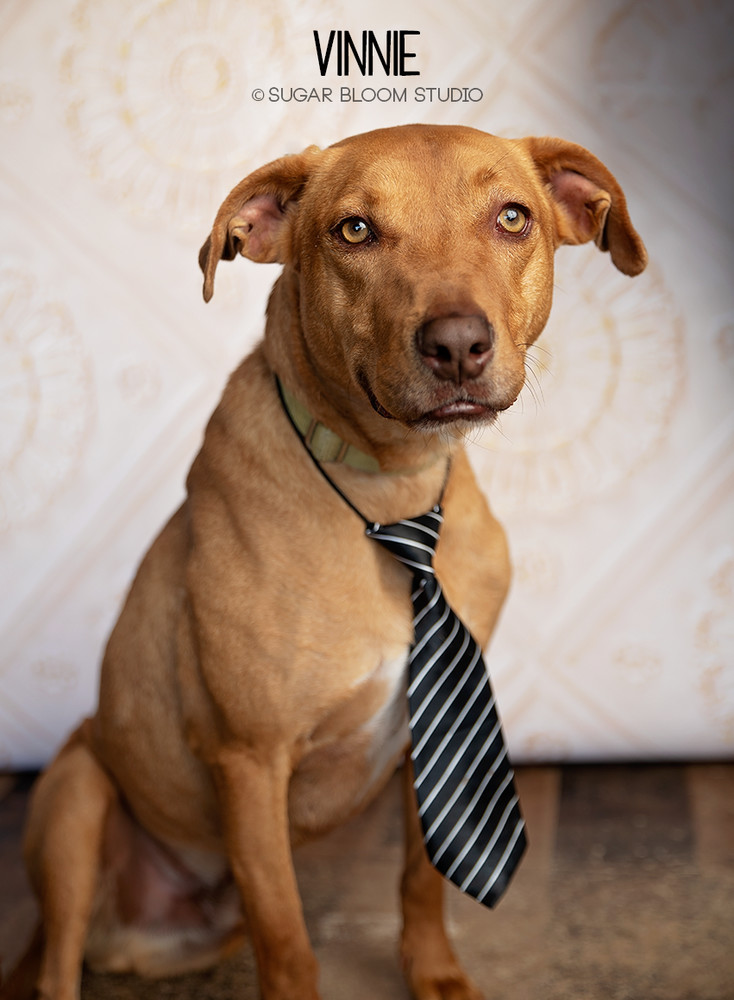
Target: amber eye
512, 219
355, 230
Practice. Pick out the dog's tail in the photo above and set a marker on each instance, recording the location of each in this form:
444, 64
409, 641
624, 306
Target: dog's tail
21, 981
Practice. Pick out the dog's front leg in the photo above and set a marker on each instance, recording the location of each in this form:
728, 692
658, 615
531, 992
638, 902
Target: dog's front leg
429, 964
253, 786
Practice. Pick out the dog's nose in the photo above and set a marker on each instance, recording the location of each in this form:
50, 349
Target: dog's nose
456, 348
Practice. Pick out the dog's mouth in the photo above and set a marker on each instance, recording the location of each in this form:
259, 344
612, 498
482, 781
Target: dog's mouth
374, 401
461, 408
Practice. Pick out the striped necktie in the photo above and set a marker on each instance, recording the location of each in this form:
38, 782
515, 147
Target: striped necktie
472, 827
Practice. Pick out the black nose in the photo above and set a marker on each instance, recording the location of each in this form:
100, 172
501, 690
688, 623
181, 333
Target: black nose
456, 348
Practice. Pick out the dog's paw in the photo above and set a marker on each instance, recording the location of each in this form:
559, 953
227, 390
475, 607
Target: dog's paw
432, 978
454, 986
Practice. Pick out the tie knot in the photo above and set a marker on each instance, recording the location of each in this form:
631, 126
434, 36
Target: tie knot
412, 541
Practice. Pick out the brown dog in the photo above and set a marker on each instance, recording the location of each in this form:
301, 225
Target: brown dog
253, 690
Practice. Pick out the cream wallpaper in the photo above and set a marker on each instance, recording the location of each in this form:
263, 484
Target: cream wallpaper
123, 123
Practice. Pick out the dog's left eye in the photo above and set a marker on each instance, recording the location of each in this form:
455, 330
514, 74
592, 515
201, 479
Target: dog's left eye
354, 230
513, 219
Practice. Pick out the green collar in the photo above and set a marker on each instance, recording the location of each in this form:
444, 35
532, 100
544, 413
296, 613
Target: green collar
323, 443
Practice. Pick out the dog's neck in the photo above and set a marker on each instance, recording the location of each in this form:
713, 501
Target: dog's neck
323, 443
326, 446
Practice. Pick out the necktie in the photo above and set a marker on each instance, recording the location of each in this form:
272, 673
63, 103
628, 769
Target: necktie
468, 807
472, 827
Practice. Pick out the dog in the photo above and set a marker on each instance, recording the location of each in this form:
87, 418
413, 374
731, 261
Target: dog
253, 690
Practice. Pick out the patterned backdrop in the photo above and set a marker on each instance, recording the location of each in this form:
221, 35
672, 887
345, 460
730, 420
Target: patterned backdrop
123, 123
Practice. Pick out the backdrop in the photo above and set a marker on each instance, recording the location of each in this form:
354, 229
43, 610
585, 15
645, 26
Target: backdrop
123, 124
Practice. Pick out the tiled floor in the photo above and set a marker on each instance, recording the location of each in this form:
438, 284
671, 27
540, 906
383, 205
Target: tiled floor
626, 893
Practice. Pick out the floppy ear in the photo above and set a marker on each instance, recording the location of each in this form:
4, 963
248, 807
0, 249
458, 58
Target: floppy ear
590, 202
250, 220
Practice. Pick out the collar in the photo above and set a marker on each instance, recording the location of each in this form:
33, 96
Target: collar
326, 446
321, 441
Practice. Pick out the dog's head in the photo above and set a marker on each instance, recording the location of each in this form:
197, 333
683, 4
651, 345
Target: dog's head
423, 257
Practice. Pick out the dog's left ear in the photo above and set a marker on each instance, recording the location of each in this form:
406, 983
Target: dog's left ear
251, 219
590, 202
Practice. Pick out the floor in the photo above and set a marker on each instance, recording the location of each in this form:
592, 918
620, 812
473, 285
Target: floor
626, 893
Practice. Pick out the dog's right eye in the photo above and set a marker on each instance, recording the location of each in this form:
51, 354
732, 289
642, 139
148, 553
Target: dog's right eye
354, 230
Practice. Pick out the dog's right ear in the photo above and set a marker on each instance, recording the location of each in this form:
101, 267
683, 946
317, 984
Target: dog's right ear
250, 220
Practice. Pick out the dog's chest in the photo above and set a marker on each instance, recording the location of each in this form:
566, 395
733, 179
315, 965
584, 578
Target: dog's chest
354, 751
387, 730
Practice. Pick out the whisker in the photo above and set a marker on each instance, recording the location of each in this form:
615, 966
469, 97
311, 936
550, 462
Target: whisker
481, 439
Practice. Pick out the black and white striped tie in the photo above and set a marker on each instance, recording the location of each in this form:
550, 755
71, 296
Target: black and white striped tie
467, 803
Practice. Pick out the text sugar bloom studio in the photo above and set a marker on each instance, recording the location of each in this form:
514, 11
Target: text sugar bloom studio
369, 95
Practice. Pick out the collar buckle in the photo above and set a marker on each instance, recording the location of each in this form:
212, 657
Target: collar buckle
323, 443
